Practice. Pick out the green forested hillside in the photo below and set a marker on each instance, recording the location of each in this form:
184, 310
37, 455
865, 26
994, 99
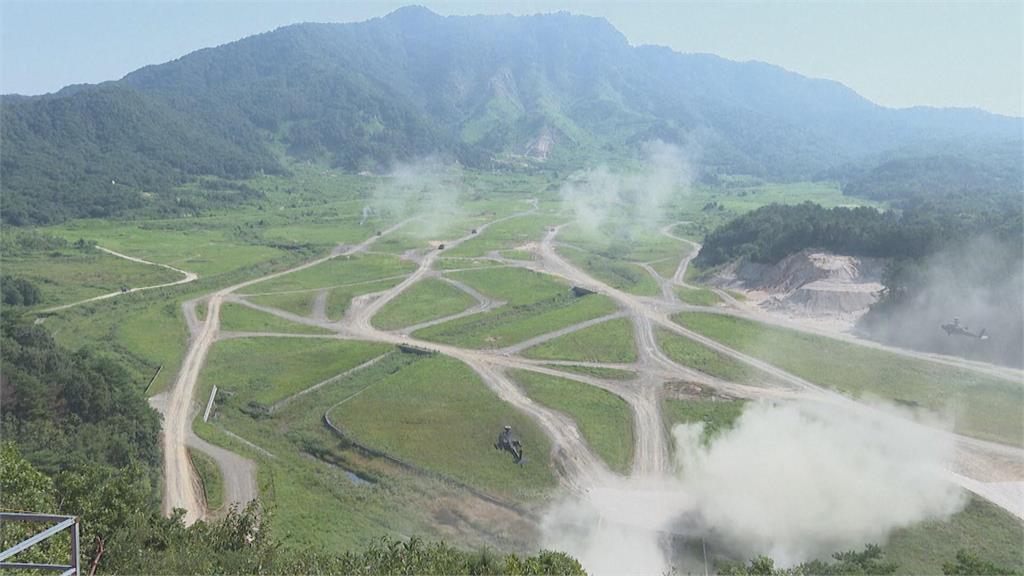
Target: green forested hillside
486, 90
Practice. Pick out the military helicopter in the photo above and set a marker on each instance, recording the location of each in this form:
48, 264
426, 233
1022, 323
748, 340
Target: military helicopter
509, 443
955, 328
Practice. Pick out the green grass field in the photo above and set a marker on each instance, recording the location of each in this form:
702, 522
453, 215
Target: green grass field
697, 296
625, 276
984, 407
340, 298
69, 275
610, 341
344, 270
210, 477
717, 415
982, 528
506, 235
300, 303
437, 413
267, 370
603, 418
699, 357
595, 371
240, 318
426, 300
535, 304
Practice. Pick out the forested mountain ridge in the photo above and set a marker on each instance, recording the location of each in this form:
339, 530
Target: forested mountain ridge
487, 90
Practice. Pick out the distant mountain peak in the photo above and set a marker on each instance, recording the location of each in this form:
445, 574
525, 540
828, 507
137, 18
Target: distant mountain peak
412, 13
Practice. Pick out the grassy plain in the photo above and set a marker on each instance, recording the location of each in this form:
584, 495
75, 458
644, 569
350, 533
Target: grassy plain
626, 276
267, 370
344, 270
984, 406
535, 304
699, 357
697, 296
209, 475
716, 414
426, 300
69, 275
438, 414
603, 418
300, 303
240, 318
506, 235
610, 341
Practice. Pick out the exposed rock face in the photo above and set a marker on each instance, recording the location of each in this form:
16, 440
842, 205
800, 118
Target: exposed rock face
811, 285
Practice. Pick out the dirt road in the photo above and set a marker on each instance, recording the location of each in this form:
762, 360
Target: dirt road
187, 277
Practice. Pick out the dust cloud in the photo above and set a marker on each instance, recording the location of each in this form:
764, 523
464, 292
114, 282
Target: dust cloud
429, 187
599, 195
979, 282
795, 481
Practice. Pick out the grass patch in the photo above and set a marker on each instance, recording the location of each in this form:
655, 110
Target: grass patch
428, 299
505, 235
210, 477
69, 275
603, 418
610, 341
985, 407
717, 415
698, 296
340, 298
982, 528
625, 276
595, 371
438, 414
343, 270
240, 318
267, 370
300, 303
699, 357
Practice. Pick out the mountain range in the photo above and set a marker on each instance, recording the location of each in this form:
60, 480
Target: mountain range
550, 90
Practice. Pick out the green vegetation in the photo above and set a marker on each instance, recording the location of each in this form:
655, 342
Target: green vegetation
698, 296
625, 276
300, 303
986, 407
339, 298
267, 370
699, 357
505, 235
123, 533
426, 300
603, 418
68, 274
595, 371
209, 475
241, 318
341, 271
610, 341
535, 304
436, 413
981, 527
717, 415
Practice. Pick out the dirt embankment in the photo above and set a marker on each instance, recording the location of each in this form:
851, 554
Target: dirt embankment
830, 291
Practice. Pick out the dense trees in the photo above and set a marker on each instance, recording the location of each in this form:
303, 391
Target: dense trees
482, 89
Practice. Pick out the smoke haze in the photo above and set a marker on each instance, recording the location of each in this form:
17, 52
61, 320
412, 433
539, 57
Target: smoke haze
428, 187
796, 481
599, 194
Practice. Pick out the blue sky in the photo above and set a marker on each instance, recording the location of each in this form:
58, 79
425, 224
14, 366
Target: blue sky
965, 54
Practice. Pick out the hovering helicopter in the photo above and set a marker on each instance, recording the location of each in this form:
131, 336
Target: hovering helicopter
509, 443
955, 328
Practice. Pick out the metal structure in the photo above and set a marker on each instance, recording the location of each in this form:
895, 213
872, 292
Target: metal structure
955, 328
60, 524
509, 443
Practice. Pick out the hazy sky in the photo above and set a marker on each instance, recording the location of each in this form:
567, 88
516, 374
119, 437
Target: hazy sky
898, 54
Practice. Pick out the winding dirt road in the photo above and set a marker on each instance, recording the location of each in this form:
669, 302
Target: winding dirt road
187, 277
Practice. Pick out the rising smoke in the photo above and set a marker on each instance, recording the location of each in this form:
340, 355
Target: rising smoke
980, 282
795, 482
429, 187
599, 195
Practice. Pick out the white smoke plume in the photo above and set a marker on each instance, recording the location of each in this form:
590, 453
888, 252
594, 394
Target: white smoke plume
599, 194
429, 187
795, 482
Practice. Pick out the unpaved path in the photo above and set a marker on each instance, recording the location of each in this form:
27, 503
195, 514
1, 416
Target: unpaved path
187, 277
578, 467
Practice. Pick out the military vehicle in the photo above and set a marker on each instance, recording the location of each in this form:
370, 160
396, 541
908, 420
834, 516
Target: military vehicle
955, 328
509, 443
